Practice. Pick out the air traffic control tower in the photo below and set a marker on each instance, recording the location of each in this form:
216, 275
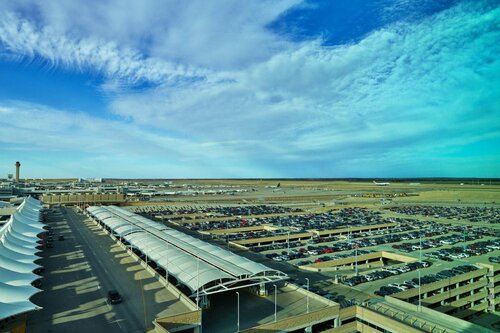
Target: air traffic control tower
18, 167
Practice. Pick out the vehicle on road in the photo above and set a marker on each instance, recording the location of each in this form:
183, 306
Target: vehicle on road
114, 297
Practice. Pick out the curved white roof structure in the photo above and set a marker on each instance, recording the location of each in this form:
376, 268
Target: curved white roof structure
18, 242
202, 267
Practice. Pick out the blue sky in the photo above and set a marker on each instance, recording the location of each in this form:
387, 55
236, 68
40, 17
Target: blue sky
289, 88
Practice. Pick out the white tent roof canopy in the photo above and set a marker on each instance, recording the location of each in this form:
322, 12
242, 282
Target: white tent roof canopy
202, 267
18, 242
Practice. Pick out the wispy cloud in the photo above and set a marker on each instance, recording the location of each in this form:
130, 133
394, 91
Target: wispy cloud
208, 34
238, 97
20, 37
402, 86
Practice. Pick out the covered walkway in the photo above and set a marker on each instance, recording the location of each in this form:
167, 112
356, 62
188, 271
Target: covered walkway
18, 253
202, 267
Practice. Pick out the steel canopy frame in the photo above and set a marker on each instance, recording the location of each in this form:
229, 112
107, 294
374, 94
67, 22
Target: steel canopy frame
247, 282
220, 269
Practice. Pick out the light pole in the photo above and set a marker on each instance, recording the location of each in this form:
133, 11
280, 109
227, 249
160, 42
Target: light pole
238, 309
419, 275
275, 302
419, 292
197, 280
288, 242
356, 259
307, 296
420, 234
198, 290
166, 274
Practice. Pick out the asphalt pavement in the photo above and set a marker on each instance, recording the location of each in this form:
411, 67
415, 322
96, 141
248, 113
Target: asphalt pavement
80, 270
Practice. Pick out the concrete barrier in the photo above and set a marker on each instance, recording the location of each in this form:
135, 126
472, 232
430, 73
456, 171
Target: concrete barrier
178, 322
370, 257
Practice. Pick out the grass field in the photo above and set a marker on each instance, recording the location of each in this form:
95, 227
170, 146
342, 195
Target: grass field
312, 195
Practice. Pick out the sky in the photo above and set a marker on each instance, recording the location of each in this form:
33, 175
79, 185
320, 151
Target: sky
250, 89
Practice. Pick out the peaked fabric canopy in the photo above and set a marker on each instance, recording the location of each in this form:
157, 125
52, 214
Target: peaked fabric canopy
200, 266
18, 242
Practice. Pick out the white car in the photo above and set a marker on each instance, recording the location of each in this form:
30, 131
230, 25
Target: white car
398, 285
403, 269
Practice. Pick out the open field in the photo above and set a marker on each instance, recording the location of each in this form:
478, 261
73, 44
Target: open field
315, 195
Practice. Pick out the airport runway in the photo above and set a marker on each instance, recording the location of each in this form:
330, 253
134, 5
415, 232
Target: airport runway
80, 270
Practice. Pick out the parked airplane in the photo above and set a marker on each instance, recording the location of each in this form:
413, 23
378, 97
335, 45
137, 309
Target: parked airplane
381, 184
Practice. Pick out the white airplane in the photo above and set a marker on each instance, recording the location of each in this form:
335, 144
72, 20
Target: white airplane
381, 184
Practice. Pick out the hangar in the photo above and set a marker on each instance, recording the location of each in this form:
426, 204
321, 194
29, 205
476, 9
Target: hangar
202, 267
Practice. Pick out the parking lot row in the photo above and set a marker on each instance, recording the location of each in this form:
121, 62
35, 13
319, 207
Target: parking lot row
472, 214
385, 272
465, 251
438, 242
302, 250
346, 217
220, 210
430, 278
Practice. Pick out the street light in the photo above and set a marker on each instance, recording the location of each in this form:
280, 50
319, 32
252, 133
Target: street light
275, 302
238, 322
307, 296
419, 275
419, 293
288, 242
197, 280
356, 259
166, 271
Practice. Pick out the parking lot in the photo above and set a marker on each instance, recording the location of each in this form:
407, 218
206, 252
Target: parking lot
434, 235
80, 270
404, 236
471, 214
394, 288
447, 238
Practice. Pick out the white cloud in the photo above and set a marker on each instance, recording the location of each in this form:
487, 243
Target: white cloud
404, 91
395, 88
76, 144
210, 34
22, 38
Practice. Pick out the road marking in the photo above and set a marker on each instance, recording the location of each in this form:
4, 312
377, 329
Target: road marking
117, 321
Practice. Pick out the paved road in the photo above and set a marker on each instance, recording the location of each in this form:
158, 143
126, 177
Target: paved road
79, 272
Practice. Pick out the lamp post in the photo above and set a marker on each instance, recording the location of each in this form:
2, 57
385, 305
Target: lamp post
419, 292
197, 280
275, 302
356, 259
166, 271
307, 296
420, 234
419, 275
288, 242
238, 309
